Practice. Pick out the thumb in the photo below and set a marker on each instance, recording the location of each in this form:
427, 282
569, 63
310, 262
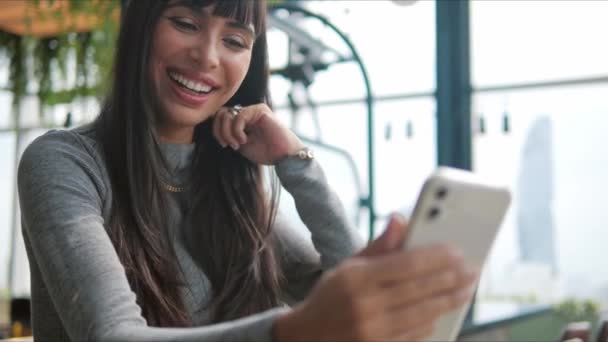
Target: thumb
391, 239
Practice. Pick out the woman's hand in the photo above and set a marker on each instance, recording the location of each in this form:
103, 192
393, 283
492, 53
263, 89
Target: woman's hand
382, 294
255, 133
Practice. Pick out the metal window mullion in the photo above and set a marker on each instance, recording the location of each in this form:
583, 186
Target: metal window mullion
453, 84
454, 89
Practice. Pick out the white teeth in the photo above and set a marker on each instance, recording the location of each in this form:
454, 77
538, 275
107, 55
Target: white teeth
192, 85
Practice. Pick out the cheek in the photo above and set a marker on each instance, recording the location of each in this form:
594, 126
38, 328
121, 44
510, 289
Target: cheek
166, 46
155, 69
155, 66
238, 68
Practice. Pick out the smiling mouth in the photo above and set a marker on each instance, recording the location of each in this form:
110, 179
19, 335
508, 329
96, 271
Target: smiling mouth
196, 87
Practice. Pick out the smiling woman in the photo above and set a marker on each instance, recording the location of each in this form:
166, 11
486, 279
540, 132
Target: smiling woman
155, 222
183, 35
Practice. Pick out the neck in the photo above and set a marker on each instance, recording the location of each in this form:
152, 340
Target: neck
182, 135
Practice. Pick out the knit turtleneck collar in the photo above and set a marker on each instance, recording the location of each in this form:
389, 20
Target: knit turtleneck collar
178, 157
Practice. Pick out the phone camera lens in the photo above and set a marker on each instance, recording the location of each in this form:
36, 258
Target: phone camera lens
441, 193
433, 213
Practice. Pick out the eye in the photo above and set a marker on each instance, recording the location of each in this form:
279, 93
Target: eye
184, 24
236, 43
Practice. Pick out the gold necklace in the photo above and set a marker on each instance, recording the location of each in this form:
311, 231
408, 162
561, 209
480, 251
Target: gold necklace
173, 188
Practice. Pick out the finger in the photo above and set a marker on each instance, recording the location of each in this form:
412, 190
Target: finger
412, 264
217, 120
226, 131
238, 127
391, 239
262, 108
417, 334
411, 316
409, 292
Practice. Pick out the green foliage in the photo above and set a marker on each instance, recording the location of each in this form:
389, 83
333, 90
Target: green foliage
14, 49
47, 59
275, 2
524, 299
577, 310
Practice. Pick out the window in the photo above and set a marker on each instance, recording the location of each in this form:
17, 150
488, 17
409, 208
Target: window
405, 153
537, 41
539, 112
7, 184
6, 98
14, 138
397, 43
397, 47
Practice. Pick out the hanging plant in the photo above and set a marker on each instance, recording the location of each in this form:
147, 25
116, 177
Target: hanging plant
50, 58
13, 49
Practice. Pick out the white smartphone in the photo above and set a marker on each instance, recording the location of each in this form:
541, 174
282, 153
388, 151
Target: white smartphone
458, 207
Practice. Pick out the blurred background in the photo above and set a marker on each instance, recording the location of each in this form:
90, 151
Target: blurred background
384, 91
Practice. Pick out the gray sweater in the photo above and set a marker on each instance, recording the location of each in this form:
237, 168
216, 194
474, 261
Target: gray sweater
79, 287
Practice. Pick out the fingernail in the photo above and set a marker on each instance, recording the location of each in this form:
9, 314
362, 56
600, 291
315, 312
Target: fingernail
234, 147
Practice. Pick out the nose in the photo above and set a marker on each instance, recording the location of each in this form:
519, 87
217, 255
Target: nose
206, 54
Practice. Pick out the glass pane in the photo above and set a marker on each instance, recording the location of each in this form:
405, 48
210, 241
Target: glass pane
7, 188
4, 70
522, 41
29, 115
79, 112
545, 144
279, 90
406, 153
337, 79
21, 277
396, 44
6, 109
405, 146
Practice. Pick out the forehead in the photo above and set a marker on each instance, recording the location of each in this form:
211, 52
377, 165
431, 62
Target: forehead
212, 10
243, 11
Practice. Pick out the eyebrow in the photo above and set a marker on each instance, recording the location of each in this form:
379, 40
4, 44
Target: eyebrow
201, 12
241, 26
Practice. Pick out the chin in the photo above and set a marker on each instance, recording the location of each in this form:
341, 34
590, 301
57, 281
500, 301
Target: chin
179, 116
190, 118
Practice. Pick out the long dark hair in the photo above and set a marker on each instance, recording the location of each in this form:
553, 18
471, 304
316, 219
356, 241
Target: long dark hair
232, 212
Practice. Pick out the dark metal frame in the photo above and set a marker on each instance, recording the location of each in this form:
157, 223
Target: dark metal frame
453, 92
453, 84
368, 201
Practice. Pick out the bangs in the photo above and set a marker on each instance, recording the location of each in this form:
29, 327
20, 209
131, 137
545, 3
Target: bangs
248, 12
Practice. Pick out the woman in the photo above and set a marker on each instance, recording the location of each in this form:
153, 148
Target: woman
155, 222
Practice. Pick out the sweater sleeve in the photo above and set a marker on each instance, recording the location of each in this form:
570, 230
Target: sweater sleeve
61, 195
332, 237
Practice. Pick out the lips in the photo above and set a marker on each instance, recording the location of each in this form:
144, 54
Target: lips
192, 85
187, 97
